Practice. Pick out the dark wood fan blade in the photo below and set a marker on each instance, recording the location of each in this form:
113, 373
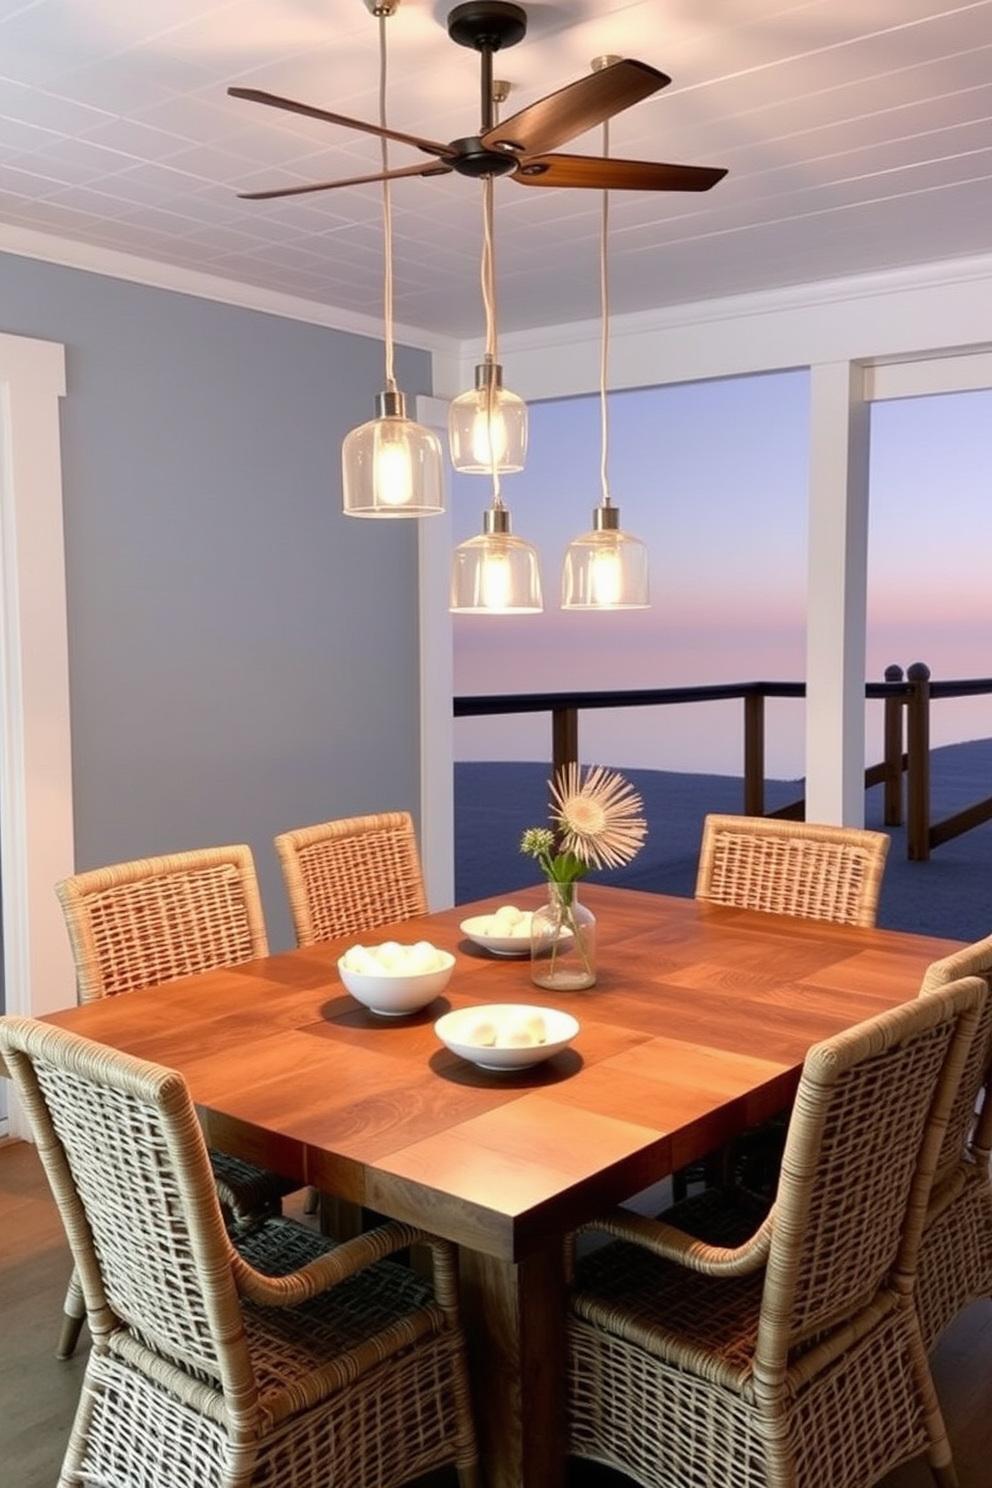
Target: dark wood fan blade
393, 175
549, 122
256, 95
606, 174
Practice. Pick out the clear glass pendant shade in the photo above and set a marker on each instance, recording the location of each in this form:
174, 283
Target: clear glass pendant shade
605, 569
392, 467
487, 427
495, 573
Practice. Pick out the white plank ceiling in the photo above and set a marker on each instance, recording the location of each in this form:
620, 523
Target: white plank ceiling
857, 135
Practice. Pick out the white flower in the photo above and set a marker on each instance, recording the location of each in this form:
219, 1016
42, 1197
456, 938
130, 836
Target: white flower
600, 818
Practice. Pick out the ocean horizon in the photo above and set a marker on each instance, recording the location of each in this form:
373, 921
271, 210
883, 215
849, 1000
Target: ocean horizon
948, 895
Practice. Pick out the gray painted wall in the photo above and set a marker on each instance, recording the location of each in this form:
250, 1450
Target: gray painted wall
243, 658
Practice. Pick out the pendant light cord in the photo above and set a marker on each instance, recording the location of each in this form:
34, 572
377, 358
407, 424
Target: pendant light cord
489, 268
604, 343
387, 215
488, 277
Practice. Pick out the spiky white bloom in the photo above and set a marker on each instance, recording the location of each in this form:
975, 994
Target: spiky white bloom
600, 818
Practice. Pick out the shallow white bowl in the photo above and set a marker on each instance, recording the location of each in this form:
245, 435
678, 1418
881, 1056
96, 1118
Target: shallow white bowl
394, 993
455, 1027
477, 929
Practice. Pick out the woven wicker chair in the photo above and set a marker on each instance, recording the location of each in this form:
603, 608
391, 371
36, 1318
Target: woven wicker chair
345, 877
792, 1359
797, 868
273, 1360
955, 1265
813, 871
135, 924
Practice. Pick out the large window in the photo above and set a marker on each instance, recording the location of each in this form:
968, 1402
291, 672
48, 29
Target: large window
930, 537
713, 477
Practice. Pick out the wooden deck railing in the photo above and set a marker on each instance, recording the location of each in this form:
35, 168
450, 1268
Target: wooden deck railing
906, 698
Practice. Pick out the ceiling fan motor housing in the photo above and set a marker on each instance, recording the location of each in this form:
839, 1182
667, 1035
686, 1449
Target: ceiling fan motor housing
472, 159
487, 25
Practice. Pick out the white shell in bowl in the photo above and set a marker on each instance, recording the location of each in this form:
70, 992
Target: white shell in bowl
506, 1036
498, 934
398, 990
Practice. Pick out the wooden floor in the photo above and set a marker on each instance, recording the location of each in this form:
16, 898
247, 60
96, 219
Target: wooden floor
38, 1393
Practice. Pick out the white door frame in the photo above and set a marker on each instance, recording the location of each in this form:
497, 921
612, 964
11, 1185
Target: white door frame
36, 837
437, 803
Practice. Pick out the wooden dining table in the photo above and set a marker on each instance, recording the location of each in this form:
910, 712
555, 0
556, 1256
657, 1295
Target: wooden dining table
696, 1029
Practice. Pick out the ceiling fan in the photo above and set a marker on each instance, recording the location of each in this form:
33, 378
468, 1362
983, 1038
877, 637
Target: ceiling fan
519, 146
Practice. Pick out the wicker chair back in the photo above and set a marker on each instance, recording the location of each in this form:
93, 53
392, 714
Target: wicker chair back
122, 1147
970, 1125
135, 924
859, 1161
348, 876
818, 872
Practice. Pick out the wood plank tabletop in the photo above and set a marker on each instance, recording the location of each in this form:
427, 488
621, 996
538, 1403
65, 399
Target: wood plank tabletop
696, 1028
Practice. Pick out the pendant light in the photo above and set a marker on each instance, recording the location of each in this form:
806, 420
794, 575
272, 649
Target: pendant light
607, 568
487, 426
496, 573
391, 466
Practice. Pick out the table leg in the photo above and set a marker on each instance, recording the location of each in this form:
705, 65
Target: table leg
340, 1218
515, 1322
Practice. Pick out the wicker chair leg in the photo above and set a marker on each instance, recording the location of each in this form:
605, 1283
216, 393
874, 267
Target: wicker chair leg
939, 1455
73, 1318
470, 1477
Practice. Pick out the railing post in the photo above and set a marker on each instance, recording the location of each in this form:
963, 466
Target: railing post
754, 754
893, 751
564, 737
918, 769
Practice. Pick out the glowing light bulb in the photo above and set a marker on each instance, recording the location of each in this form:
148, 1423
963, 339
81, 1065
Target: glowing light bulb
606, 577
393, 471
496, 581
488, 434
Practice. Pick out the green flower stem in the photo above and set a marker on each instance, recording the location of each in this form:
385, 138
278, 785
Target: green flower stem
564, 893
562, 871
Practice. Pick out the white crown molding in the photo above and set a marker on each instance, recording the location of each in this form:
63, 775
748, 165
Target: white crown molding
26, 243
817, 294
454, 359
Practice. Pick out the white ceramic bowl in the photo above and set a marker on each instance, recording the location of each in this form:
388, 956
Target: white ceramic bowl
459, 1031
394, 993
479, 928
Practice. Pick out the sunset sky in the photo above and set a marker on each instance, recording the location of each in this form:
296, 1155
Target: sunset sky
713, 478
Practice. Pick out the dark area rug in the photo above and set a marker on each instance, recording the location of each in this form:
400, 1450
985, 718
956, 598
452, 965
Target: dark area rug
949, 895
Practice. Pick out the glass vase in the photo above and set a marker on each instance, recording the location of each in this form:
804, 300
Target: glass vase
563, 941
